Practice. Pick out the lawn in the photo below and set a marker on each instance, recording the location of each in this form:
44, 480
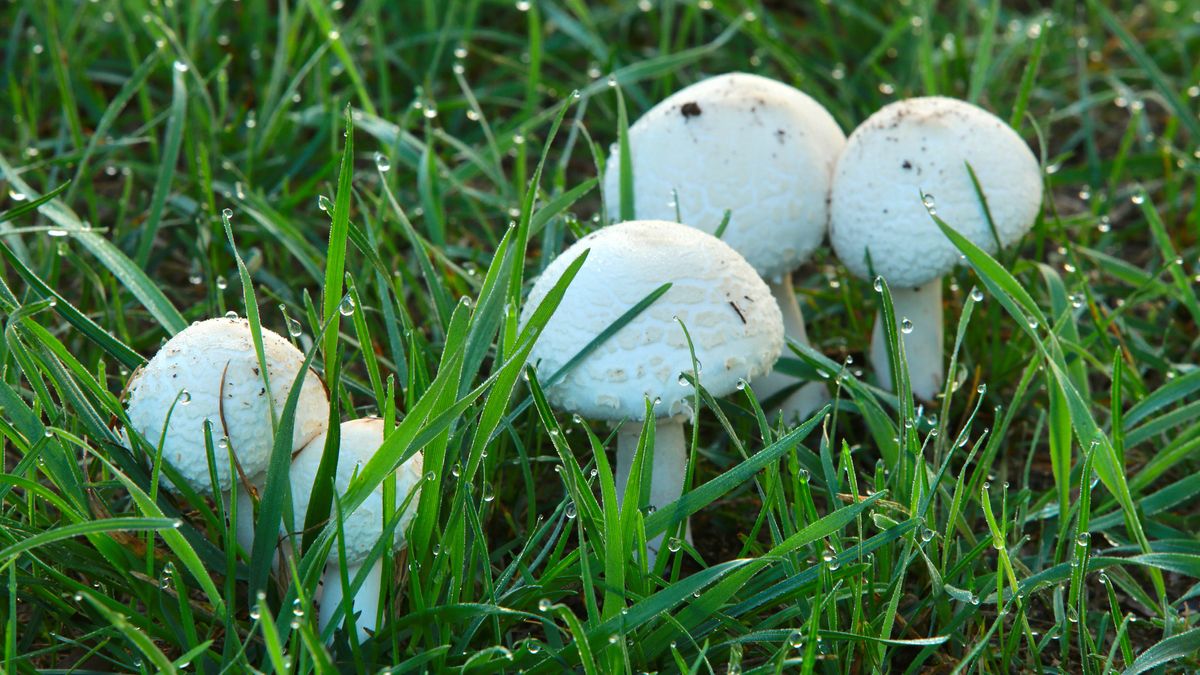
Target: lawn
382, 183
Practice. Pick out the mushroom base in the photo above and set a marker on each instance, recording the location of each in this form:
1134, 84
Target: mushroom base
923, 344
802, 402
667, 472
364, 608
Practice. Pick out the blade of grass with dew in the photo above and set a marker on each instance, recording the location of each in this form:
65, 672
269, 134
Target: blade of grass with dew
1021, 307
176, 119
129, 274
84, 324
335, 261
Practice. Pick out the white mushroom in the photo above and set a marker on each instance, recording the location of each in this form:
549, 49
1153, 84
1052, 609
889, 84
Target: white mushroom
764, 151
210, 371
361, 528
881, 226
735, 327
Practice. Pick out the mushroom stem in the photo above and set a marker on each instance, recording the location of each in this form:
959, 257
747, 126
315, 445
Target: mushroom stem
366, 601
811, 395
244, 527
922, 346
666, 473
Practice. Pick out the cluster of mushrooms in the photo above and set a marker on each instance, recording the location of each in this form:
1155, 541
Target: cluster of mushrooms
770, 165
210, 374
755, 154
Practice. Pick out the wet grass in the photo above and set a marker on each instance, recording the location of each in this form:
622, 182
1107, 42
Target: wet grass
426, 160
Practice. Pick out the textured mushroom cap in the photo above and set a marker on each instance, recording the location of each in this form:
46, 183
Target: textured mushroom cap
735, 324
364, 526
757, 147
194, 360
923, 145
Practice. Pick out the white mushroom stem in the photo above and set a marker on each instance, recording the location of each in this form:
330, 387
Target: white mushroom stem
810, 396
922, 345
667, 472
244, 527
366, 601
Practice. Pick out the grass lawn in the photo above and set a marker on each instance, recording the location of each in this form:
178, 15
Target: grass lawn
381, 182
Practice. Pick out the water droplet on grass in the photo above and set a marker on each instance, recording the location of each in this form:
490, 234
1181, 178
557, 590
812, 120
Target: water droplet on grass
906, 326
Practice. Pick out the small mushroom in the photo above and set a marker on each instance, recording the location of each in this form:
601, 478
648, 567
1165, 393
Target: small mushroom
764, 151
210, 371
736, 332
881, 224
362, 527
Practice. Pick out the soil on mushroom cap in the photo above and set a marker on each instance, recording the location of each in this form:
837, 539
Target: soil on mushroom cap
690, 109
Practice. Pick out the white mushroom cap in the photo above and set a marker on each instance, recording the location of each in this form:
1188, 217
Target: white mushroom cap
360, 439
194, 361
923, 145
735, 324
748, 144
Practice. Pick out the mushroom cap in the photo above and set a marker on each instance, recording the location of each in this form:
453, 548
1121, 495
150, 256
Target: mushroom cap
923, 145
360, 439
215, 362
759, 148
735, 325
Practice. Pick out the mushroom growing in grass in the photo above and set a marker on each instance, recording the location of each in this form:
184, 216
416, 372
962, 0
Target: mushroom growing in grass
759, 149
735, 327
905, 163
361, 528
210, 372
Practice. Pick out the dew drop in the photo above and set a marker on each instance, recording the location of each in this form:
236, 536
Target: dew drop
906, 326
222, 284
570, 512
544, 605
1138, 198
180, 67
227, 213
346, 308
488, 493
382, 162
674, 544
185, 397
294, 328
878, 284
524, 5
